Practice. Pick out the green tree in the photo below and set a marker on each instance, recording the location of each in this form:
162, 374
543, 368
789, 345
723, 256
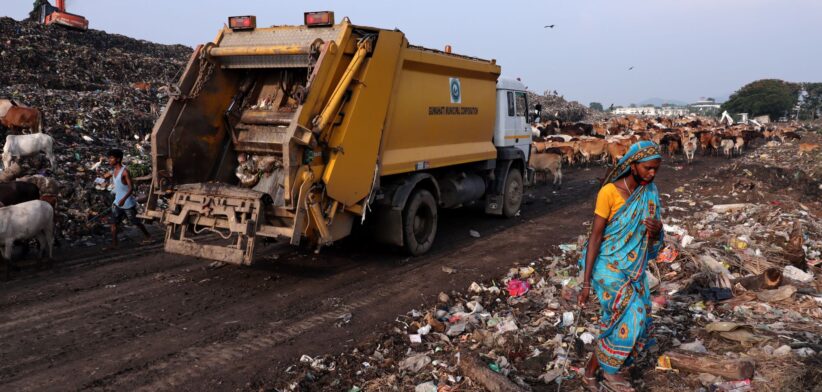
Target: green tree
596, 106
767, 96
812, 103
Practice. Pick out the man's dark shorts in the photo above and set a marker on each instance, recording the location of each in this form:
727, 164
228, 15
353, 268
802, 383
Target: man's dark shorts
118, 213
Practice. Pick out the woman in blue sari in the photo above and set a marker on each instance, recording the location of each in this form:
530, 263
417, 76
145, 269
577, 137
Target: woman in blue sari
626, 234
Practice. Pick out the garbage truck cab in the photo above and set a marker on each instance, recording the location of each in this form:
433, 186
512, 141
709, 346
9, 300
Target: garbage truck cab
299, 132
512, 128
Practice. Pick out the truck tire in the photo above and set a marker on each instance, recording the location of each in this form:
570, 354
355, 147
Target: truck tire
419, 222
512, 198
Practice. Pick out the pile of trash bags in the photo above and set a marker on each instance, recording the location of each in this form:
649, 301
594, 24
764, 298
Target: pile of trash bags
96, 91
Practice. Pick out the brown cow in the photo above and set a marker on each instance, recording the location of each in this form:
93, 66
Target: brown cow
591, 148
18, 118
142, 86
617, 149
806, 148
716, 142
705, 138
542, 163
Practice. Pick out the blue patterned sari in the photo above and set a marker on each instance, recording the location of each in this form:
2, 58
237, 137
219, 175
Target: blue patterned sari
619, 271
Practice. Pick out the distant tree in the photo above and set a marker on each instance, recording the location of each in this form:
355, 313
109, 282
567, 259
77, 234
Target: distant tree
633, 105
812, 103
768, 96
596, 106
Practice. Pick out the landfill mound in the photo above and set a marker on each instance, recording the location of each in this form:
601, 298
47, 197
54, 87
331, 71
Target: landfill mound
96, 91
555, 107
735, 293
53, 57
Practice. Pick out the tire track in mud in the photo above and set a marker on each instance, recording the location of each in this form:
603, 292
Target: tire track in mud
51, 310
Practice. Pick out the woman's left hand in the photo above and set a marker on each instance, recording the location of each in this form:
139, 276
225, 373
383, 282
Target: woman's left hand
653, 226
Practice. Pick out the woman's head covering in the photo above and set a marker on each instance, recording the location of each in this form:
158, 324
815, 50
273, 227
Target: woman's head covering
641, 151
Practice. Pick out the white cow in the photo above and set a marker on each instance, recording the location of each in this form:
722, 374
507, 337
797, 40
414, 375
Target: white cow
32, 219
26, 145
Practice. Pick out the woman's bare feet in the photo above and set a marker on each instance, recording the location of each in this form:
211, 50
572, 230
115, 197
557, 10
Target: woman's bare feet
617, 383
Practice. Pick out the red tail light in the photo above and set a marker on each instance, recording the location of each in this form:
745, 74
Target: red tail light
324, 18
248, 22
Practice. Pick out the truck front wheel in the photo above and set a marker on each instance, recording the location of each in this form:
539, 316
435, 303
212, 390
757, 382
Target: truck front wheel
512, 198
419, 222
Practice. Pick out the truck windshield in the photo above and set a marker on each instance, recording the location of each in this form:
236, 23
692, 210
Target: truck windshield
522, 105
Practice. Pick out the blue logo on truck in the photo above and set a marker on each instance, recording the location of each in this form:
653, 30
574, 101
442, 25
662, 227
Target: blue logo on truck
456, 90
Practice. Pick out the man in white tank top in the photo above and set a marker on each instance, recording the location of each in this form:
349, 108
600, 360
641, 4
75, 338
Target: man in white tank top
124, 205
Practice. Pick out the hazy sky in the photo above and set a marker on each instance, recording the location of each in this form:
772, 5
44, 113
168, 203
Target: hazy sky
681, 49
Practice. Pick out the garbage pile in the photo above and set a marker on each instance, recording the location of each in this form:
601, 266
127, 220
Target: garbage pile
96, 91
555, 107
736, 307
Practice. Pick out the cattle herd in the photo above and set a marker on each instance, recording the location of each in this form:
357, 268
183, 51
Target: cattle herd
27, 203
556, 143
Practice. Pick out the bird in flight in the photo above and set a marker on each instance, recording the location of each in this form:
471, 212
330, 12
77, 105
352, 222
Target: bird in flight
550, 26
631, 67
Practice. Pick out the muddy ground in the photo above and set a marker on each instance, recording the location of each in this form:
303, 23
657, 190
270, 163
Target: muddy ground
142, 319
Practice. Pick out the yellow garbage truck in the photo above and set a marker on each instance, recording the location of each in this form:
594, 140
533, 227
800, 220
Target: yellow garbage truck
300, 132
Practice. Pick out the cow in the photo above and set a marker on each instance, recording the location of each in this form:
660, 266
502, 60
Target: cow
16, 192
18, 118
739, 144
807, 148
727, 147
18, 146
689, 144
789, 135
705, 138
32, 219
46, 185
5, 105
11, 173
591, 148
142, 86
536, 132
617, 149
545, 162
716, 141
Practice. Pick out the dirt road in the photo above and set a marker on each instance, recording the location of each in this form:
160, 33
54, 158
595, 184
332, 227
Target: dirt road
143, 319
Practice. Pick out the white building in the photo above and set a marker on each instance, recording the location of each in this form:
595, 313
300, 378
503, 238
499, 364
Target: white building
705, 106
652, 111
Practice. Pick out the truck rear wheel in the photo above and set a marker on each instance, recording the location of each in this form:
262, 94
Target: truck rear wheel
512, 198
419, 222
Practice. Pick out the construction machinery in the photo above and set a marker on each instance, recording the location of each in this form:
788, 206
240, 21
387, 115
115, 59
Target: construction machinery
301, 132
48, 14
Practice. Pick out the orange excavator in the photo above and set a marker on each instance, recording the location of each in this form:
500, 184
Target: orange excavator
48, 14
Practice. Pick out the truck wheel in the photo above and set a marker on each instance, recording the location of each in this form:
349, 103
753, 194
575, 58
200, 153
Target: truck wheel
419, 222
512, 198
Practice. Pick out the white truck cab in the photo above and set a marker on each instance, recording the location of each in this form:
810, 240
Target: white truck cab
511, 128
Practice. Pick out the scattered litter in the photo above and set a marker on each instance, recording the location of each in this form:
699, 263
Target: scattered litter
517, 287
696, 346
779, 294
415, 363
449, 270
797, 274
426, 387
